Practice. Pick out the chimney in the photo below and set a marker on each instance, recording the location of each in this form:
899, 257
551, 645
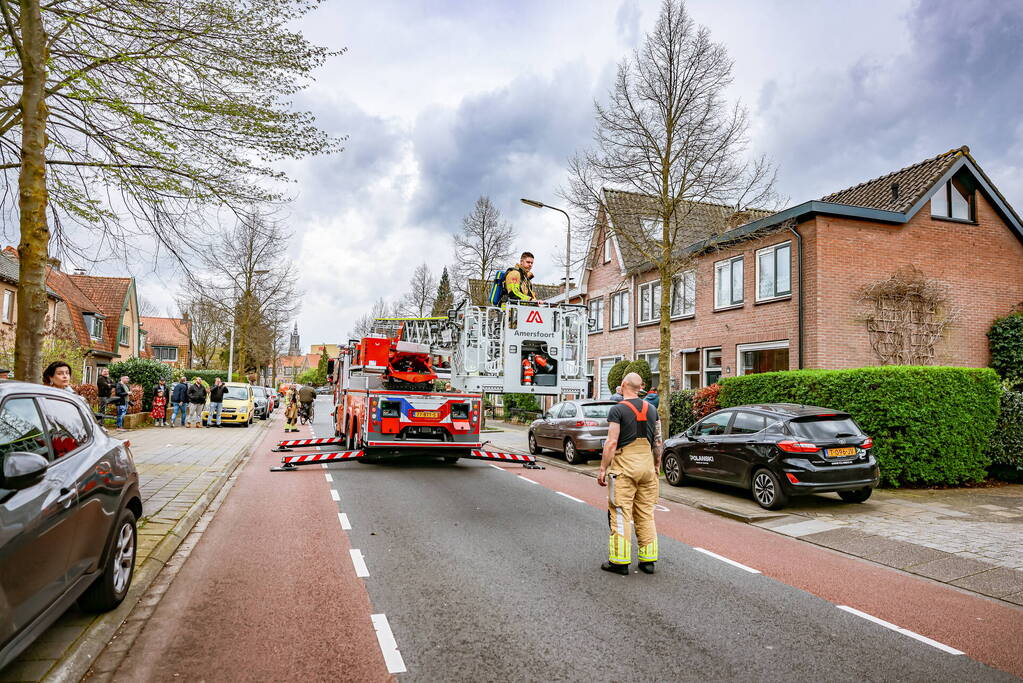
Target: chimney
78, 271
895, 190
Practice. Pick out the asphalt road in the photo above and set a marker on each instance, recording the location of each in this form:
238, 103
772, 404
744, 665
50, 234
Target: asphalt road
490, 573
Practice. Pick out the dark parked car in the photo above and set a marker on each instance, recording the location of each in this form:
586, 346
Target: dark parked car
776, 450
69, 500
576, 428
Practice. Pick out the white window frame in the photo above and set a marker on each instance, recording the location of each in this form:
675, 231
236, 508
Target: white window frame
607, 248
122, 338
652, 312
598, 379
96, 327
87, 375
729, 265
704, 368
646, 355
8, 306
774, 249
760, 346
698, 373
598, 319
623, 321
158, 349
687, 278
650, 228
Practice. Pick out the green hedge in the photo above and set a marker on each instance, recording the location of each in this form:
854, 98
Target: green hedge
207, 375
682, 415
641, 368
931, 425
615, 374
145, 372
1006, 448
1005, 341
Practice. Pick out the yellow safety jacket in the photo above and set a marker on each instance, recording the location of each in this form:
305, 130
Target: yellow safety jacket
517, 284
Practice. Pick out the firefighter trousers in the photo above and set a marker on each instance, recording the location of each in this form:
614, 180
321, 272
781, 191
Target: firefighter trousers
631, 495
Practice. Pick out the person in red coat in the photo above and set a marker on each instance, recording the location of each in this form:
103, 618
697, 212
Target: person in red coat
159, 411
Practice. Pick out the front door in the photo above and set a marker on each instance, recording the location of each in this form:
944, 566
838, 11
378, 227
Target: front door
37, 524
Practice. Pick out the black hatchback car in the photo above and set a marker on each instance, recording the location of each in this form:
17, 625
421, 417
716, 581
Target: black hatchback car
69, 500
776, 450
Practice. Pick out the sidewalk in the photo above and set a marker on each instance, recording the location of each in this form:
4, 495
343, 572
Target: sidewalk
968, 538
180, 472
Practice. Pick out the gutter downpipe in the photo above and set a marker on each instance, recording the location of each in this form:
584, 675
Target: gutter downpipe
799, 272
632, 315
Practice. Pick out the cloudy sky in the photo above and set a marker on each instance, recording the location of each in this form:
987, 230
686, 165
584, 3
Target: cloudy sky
446, 100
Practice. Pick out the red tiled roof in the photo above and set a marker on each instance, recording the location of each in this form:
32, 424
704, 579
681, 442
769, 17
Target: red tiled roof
109, 294
912, 183
166, 331
309, 360
78, 302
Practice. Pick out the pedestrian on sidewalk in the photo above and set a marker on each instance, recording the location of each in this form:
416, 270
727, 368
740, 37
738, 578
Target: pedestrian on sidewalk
159, 411
162, 384
628, 467
617, 396
196, 401
122, 394
58, 374
179, 399
291, 413
104, 389
217, 392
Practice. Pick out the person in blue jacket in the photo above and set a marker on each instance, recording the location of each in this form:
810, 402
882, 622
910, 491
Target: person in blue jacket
179, 398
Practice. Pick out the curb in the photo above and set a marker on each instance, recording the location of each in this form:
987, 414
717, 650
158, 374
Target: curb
76, 663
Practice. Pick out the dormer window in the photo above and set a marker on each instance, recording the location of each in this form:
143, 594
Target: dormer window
94, 325
955, 199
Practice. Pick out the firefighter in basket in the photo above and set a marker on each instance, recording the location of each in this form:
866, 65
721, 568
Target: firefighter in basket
518, 284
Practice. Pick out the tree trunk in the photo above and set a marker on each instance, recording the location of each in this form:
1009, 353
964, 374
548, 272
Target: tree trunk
33, 249
664, 358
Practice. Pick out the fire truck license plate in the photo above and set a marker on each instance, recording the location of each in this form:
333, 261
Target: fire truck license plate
426, 414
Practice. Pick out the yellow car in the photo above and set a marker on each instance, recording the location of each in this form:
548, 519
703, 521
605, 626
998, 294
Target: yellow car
238, 406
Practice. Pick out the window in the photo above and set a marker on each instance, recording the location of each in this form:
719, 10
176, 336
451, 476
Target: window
569, 410
8, 306
728, 283
87, 375
619, 310
596, 313
238, 394
603, 391
711, 366
607, 248
774, 271
824, 428
123, 339
651, 229
748, 423
757, 358
714, 425
64, 422
683, 294
649, 302
166, 353
21, 428
94, 324
597, 410
690, 369
955, 199
653, 358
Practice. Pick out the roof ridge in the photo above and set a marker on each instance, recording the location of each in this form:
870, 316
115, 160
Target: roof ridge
691, 201
956, 150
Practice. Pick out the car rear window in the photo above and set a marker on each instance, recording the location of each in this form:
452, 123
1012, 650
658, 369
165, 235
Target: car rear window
824, 427
597, 410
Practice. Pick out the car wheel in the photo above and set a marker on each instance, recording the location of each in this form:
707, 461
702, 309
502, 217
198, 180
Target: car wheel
856, 495
246, 424
110, 587
533, 448
767, 490
572, 455
673, 469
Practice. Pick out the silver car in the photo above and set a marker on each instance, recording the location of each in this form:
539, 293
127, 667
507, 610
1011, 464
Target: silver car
575, 428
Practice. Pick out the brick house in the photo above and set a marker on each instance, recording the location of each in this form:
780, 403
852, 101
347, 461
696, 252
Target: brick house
290, 367
784, 291
58, 319
168, 340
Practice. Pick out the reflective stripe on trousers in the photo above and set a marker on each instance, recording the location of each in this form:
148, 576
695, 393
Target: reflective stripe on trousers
631, 496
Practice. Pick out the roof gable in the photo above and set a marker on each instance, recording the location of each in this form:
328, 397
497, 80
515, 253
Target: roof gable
899, 190
166, 331
111, 295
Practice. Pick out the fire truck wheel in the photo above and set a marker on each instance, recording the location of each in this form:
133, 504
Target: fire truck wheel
533, 448
572, 456
451, 459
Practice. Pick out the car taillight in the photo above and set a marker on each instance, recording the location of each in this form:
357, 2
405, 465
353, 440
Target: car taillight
585, 423
867, 443
798, 446
792, 478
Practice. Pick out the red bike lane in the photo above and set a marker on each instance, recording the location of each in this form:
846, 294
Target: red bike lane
985, 630
268, 593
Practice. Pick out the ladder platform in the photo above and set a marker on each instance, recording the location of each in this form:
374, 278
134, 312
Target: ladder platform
291, 462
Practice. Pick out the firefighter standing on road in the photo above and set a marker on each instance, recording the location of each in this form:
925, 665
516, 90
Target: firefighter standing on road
517, 281
631, 459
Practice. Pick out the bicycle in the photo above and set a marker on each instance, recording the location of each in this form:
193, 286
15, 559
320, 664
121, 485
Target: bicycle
305, 413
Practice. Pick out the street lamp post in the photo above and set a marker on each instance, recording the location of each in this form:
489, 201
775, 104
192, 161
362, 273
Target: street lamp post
568, 237
234, 321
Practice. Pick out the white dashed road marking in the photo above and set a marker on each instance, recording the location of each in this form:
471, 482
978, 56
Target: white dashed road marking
388, 645
899, 629
751, 570
527, 479
661, 508
359, 562
328, 477
496, 467
568, 496
343, 518
335, 496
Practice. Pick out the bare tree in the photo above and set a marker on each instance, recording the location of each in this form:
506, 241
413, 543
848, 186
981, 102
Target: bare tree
209, 327
364, 324
148, 308
484, 244
418, 301
130, 117
667, 134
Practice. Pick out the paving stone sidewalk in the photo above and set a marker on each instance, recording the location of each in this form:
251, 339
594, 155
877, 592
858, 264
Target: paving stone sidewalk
968, 538
180, 472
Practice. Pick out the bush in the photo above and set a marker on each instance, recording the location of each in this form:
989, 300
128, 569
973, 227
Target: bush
146, 372
524, 406
89, 392
1005, 341
705, 401
614, 376
1006, 447
206, 376
682, 415
931, 425
641, 368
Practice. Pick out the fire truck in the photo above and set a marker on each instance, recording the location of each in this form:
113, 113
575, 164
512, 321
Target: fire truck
386, 402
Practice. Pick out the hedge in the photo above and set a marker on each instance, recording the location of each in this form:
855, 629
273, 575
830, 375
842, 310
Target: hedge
641, 368
615, 374
207, 375
930, 425
682, 415
1006, 447
146, 372
1005, 341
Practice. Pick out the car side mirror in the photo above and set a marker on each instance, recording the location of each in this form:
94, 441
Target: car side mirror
21, 470
546, 416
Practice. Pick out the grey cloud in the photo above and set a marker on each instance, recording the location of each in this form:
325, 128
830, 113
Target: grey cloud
627, 21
